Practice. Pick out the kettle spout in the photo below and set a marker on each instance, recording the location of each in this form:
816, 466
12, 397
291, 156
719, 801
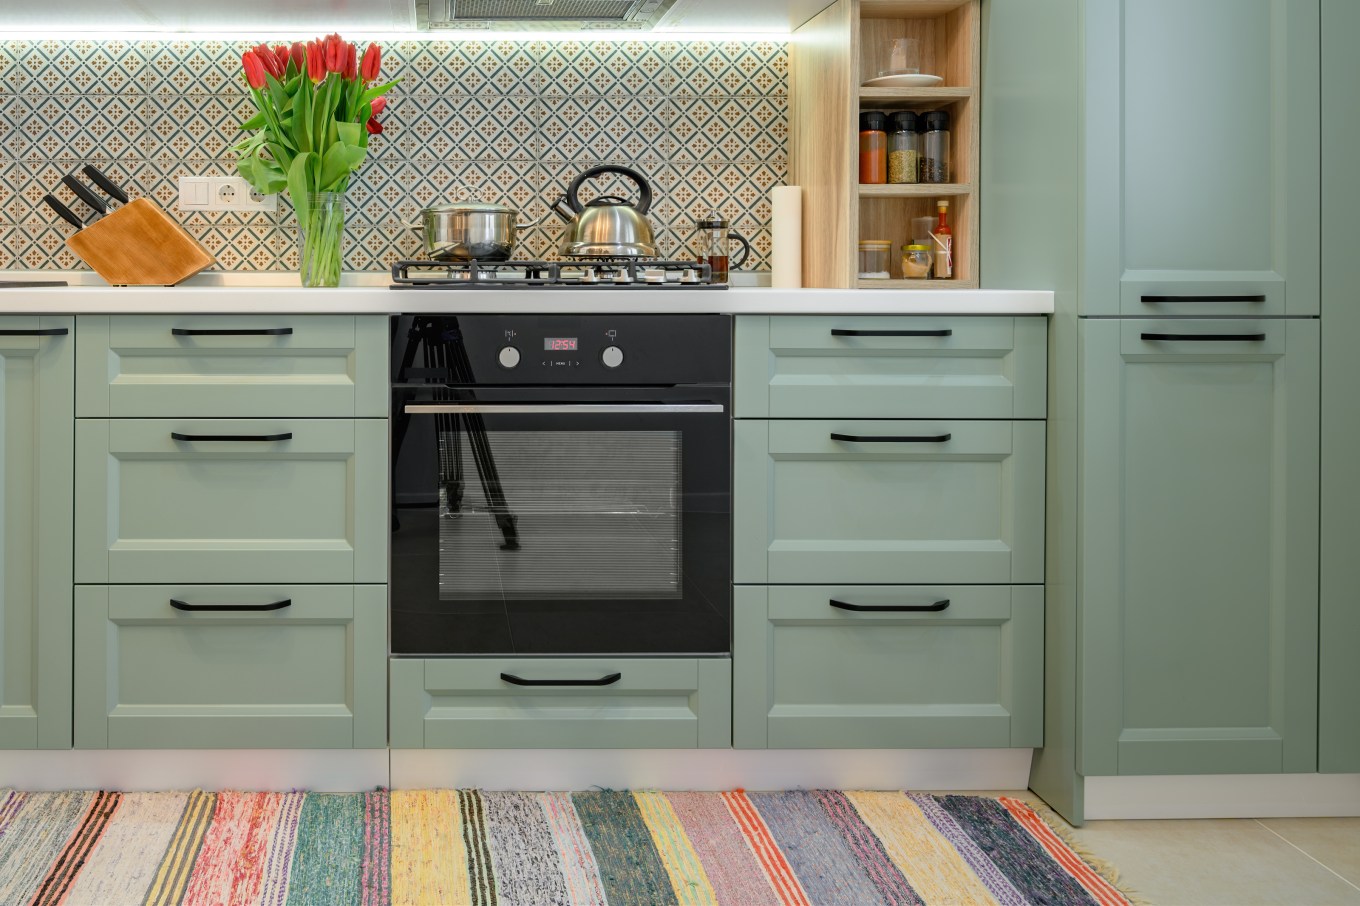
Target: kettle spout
559, 208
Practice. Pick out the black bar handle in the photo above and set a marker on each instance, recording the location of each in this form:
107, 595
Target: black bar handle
912, 608
98, 178
842, 332
275, 605
1154, 299
251, 438
260, 332
1208, 337
609, 680
93, 201
40, 332
891, 439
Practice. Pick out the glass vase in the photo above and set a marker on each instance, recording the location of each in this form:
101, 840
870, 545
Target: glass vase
321, 228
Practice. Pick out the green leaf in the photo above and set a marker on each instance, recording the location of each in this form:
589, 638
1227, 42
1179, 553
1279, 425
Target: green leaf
378, 90
255, 122
339, 161
302, 119
351, 134
300, 181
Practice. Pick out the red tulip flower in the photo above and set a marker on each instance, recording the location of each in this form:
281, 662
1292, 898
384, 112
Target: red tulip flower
351, 63
269, 61
316, 61
335, 54
372, 63
281, 54
375, 127
297, 55
255, 71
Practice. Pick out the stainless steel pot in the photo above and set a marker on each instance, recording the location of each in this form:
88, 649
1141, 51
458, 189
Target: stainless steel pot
462, 231
606, 227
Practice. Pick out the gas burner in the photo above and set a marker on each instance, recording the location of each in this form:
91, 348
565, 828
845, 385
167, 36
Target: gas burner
596, 273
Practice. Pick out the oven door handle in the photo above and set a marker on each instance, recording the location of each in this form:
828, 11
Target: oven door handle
607, 680
562, 409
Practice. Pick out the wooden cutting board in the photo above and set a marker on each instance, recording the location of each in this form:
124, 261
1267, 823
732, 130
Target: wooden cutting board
140, 245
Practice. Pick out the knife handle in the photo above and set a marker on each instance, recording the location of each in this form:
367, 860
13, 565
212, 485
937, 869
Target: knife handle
63, 211
84, 194
112, 188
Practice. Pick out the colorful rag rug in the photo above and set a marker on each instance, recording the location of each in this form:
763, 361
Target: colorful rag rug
804, 848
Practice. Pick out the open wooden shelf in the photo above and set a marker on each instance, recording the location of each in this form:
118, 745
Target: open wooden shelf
914, 190
915, 284
907, 9
918, 99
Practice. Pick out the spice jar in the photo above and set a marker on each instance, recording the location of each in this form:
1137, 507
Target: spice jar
935, 151
873, 147
873, 259
904, 148
916, 262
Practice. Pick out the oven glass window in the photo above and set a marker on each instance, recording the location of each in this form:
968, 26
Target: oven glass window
559, 515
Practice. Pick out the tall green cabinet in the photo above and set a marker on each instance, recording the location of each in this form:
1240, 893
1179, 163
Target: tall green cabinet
37, 402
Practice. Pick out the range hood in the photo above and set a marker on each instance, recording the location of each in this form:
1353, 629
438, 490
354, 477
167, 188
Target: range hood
542, 15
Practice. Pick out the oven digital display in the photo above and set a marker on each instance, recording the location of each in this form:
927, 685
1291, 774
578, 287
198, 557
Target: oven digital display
562, 344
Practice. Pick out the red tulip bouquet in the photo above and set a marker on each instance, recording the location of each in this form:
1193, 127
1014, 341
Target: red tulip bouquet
317, 105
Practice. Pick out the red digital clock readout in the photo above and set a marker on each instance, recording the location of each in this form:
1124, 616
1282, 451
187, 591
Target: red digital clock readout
562, 344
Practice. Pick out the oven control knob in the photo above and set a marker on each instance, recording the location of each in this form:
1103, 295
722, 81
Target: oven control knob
612, 357
508, 357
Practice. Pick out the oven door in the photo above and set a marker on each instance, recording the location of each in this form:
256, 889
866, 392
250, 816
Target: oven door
561, 521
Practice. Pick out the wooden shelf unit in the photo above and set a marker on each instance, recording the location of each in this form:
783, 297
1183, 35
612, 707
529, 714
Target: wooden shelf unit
831, 57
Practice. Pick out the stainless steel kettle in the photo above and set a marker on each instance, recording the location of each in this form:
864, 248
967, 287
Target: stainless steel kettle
606, 227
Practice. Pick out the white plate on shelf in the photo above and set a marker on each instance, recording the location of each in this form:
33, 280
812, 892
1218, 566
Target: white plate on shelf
905, 80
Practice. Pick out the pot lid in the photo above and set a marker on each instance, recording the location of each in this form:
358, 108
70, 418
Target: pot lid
470, 207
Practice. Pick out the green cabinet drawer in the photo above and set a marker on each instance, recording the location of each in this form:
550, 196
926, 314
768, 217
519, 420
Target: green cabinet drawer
233, 505
898, 502
964, 670
36, 401
1198, 509
311, 674
466, 703
232, 366
890, 367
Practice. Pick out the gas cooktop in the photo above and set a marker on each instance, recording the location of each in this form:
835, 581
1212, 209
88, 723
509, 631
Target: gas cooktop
612, 274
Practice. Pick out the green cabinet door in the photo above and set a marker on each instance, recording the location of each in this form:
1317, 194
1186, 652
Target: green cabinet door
37, 419
888, 502
526, 703
1201, 174
231, 666
1198, 504
231, 500
954, 667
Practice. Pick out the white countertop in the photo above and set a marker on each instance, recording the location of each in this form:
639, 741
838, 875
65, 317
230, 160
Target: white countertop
369, 294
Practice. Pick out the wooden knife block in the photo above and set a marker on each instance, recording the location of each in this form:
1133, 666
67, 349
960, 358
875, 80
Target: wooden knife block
139, 245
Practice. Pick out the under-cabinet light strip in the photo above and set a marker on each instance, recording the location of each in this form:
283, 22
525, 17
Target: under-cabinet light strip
452, 36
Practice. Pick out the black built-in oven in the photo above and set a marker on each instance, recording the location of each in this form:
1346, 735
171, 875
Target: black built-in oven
561, 485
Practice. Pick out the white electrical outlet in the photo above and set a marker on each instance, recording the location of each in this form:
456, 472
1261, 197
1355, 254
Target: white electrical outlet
222, 193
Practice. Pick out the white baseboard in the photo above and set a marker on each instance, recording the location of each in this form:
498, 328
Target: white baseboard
712, 769
136, 770
1224, 796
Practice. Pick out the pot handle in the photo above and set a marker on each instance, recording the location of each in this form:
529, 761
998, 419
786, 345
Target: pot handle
644, 188
418, 227
745, 248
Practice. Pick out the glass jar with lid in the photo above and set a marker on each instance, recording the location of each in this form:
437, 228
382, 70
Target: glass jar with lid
904, 148
873, 259
916, 260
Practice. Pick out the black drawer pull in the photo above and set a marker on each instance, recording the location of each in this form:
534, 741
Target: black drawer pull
1208, 337
891, 439
1150, 300
841, 332
250, 438
912, 608
275, 605
38, 332
609, 680
259, 332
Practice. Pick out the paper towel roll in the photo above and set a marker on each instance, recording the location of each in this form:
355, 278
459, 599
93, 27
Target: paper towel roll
786, 237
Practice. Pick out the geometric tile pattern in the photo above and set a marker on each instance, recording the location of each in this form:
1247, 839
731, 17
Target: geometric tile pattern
506, 121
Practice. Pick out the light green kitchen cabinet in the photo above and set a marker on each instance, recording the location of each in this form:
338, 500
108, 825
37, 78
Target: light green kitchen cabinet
231, 500
230, 666
871, 666
1201, 181
889, 367
232, 366
1339, 665
611, 702
1199, 531
37, 400
888, 501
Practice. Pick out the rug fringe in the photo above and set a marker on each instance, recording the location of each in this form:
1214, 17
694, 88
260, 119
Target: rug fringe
1106, 869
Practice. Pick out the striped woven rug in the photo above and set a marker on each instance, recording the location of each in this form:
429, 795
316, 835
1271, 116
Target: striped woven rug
804, 848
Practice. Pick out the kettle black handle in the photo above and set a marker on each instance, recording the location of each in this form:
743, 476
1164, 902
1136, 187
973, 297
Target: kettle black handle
644, 188
745, 248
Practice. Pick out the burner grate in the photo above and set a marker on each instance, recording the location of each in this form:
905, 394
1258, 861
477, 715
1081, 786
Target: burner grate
602, 273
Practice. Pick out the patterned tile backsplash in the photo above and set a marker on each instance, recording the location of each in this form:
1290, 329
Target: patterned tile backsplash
510, 122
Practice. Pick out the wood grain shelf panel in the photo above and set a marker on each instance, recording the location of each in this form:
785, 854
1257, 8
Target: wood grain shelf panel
916, 284
907, 9
914, 190
914, 98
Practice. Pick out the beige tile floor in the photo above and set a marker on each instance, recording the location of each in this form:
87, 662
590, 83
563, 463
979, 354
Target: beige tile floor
1230, 862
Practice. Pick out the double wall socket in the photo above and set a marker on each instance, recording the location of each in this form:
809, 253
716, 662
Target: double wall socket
222, 193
